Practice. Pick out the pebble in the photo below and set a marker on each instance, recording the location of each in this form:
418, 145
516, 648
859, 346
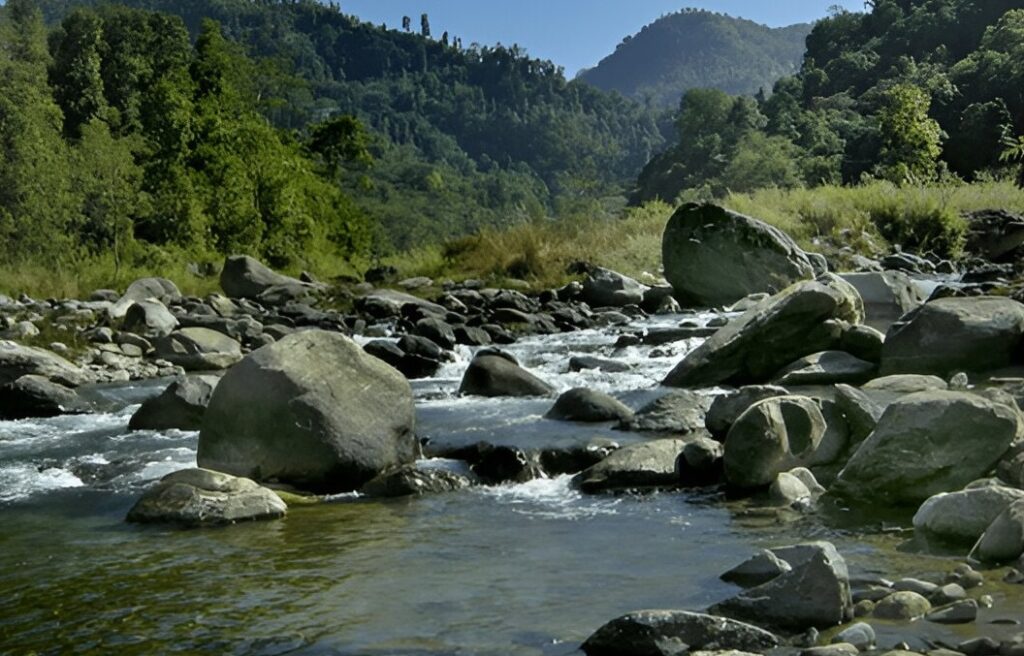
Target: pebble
958, 612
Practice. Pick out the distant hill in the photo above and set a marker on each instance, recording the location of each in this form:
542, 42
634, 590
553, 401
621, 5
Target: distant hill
697, 49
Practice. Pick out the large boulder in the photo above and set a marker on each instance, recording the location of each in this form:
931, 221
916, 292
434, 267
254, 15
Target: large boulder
245, 277
200, 497
927, 443
493, 375
771, 437
17, 360
606, 288
160, 289
727, 408
675, 632
815, 592
713, 256
644, 465
805, 318
311, 410
964, 515
1003, 540
587, 405
887, 296
181, 406
949, 335
826, 368
36, 396
678, 412
149, 318
199, 349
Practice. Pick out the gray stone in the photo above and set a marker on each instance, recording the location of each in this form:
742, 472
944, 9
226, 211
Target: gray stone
726, 408
815, 593
674, 632
863, 342
17, 360
245, 277
827, 367
606, 288
947, 594
834, 649
787, 490
20, 331
584, 362
181, 406
409, 480
199, 349
1003, 540
923, 588
700, 463
311, 410
803, 319
436, 331
918, 448
903, 384
958, 612
949, 335
772, 437
36, 396
492, 375
861, 413
149, 318
586, 405
964, 515
159, 289
861, 635
713, 256
902, 606
644, 465
756, 570
200, 497
678, 412
888, 295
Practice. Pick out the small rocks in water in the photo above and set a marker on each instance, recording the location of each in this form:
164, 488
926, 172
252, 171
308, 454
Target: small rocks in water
198, 497
756, 570
492, 375
500, 464
958, 612
409, 480
637, 466
902, 606
584, 362
586, 405
861, 635
675, 632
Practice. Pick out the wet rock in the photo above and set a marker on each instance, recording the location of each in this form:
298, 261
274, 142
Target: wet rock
637, 466
37, 397
801, 320
181, 406
1003, 540
409, 480
471, 336
586, 405
149, 318
861, 635
436, 331
918, 449
574, 459
199, 349
887, 295
678, 412
490, 375
903, 606
726, 409
827, 367
159, 289
311, 410
964, 515
959, 612
17, 360
814, 593
584, 362
760, 568
200, 497
955, 334
606, 288
674, 632
772, 437
700, 463
713, 256
500, 464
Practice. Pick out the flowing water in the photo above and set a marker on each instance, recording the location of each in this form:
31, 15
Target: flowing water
527, 569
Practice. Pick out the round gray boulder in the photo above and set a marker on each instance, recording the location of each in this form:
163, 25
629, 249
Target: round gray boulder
493, 375
964, 515
181, 406
771, 437
200, 497
587, 405
199, 349
675, 632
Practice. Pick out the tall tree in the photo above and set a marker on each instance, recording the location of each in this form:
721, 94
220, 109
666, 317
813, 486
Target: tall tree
911, 140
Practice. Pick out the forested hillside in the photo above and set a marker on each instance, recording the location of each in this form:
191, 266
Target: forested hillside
914, 90
464, 135
694, 48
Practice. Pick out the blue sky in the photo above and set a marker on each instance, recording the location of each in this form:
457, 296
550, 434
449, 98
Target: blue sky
572, 33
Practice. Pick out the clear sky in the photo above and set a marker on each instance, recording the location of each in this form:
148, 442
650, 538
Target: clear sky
572, 33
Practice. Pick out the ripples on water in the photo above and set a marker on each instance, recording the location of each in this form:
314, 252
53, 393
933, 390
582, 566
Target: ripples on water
527, 569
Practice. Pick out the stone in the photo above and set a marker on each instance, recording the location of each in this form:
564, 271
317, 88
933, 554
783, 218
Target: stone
903, 384
1003, 540
772, 437
982, 646
311, 410
958, 612
947, 594
963, 516
246, 277
861, 635
713, 256
887, 295
756, 570
834, 649
436, 331
586, 405
787, 490
943, 337
918, 449
859, 411
21, 330
923, 588
180, 406
501, 464
37, 397
17, 360
903, 606
584, 362
726, 408
675, 632
200, 497
149, 318
606, 288
814, 593
994, 234
637, 466
863, 342
678, 412
492, 376
159, 289
803, 319
700, 463
199, 349
409, 480
825, 368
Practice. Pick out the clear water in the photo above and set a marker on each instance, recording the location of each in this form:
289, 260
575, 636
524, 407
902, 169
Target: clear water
527, 569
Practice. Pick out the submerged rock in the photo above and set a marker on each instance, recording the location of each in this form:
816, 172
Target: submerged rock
409, 480
181, 406
713, 256
678, 412
675, 632
200, 497
311, 410
493, 375
645, 465
586, 405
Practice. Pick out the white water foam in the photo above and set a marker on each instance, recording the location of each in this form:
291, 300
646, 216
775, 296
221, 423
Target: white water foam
20, 481
550, 498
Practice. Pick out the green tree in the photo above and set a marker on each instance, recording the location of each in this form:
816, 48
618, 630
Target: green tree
761, 161
76, 71
1014, 152
911, 140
